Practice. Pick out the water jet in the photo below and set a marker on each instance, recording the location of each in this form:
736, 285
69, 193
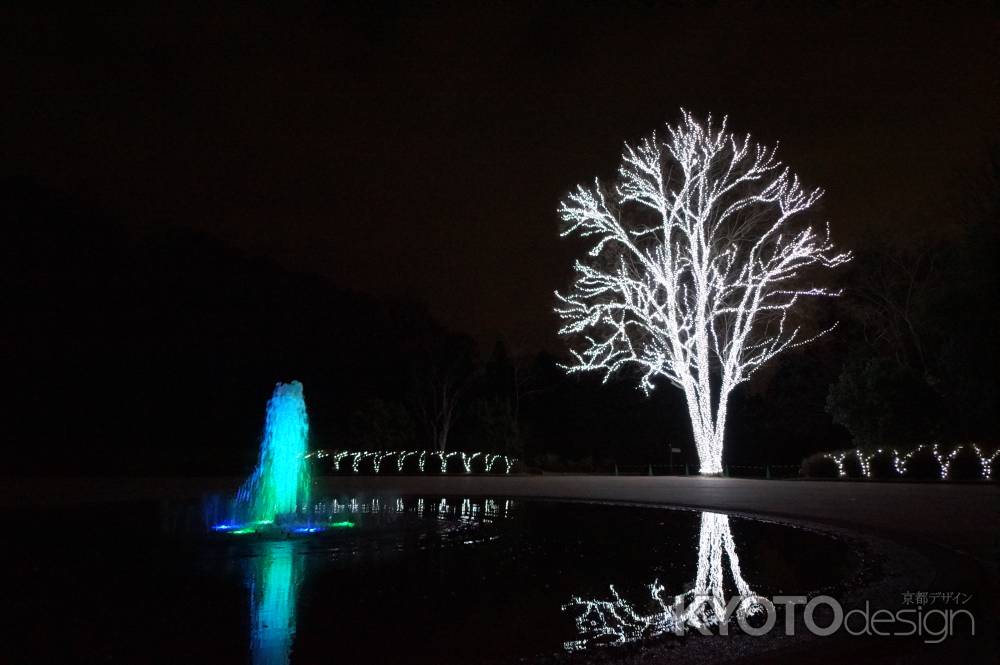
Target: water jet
278, 489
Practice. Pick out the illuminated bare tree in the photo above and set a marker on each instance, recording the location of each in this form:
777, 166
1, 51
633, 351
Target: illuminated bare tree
699, 258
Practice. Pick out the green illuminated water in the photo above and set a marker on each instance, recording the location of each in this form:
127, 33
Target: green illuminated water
274, 576
280, 484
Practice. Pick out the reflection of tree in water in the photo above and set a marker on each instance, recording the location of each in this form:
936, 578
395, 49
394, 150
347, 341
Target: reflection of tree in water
616, 621
273, 578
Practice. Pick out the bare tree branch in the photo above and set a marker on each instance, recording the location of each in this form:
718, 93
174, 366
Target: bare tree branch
698, 259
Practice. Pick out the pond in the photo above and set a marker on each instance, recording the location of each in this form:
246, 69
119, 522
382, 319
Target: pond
385, 580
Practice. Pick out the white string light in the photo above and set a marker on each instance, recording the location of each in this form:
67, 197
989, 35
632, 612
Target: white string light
401, 459
900, 460
467, 510
697, 286
489, 460
616, 622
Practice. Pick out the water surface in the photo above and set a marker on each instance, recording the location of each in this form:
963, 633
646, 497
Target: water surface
410, 580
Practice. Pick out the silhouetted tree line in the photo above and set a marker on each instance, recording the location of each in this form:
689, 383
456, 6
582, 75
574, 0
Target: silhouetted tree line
154, 352
921, 360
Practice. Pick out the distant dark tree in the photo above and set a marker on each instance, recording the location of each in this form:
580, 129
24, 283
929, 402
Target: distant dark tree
883, 404
921, 313
784, 419
891, 297
378, 424
494, 427
968, 356
507, 381
440, 376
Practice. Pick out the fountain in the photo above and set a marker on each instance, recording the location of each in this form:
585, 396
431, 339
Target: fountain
279, 486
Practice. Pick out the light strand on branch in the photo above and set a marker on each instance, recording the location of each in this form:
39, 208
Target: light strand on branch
488, 461
901, 460
698, 258
616, 622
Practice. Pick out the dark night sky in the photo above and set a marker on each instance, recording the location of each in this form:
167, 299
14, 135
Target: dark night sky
423, 150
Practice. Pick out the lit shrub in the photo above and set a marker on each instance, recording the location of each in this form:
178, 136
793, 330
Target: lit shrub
819, 465
882, 466
965, 465
923, 465
852, 466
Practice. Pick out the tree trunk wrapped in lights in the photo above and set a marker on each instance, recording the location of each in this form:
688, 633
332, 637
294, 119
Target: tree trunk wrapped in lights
699, 257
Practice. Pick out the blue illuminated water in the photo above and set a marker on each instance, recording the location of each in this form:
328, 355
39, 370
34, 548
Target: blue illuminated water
274, 576
280, 484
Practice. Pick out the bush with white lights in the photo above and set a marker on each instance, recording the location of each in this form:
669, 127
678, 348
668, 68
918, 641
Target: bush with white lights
425, 460
927, 460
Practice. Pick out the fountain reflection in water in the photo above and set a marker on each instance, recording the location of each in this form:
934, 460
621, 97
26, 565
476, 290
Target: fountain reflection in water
280, 484
274, 577
276, 571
